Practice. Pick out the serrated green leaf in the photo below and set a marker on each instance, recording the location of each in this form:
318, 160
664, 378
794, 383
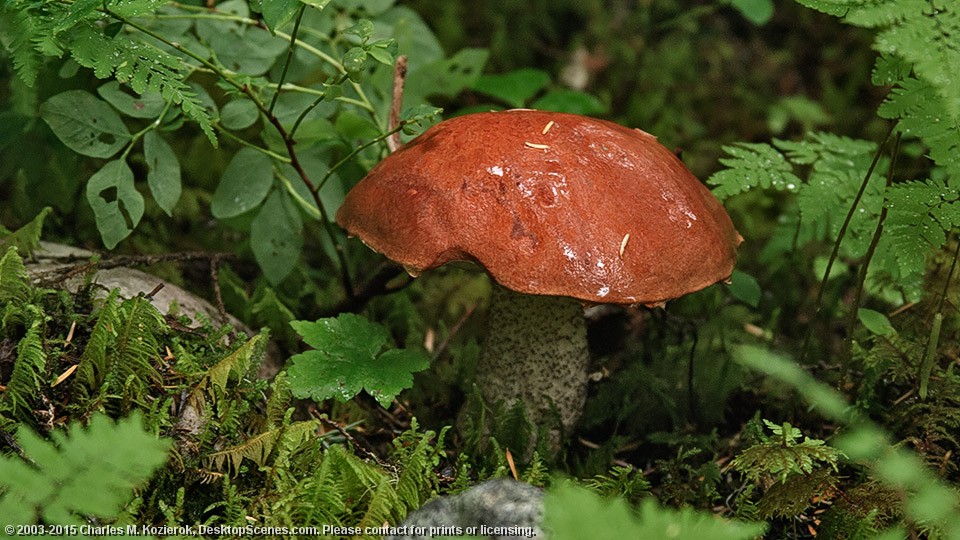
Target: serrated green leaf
116, 203
876, 322
244, 184
85, 124
348, 358
163, 171
514, 88
276, 236
147, 105
239, 114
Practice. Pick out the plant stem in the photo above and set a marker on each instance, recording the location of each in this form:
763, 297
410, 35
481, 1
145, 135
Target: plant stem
818, 303
286, 64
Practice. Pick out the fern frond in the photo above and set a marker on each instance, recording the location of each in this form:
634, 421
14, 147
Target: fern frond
71, 478
28, 371
143, 67
27, 238
920, 113
919, 217
118, 356
14, 281
784, 455
91, 369
52, 28
752, 165
921, 32
280, 399
27, 28
259, 448
826, 150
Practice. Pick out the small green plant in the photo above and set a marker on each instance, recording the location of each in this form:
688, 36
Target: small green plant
349, 356
784, 455
72, 478
573, 512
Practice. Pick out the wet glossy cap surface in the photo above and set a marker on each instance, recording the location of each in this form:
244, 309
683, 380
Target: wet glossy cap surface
549, 203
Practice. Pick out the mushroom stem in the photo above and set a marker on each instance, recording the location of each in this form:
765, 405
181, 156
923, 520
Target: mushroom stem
535, 352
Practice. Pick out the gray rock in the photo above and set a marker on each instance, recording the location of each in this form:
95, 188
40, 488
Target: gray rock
171, 299
498, 509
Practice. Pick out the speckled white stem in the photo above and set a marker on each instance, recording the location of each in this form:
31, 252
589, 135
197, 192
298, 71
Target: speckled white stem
535, 351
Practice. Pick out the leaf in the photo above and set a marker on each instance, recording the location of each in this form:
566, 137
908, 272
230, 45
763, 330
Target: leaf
514, 88
85, 124
239, 114
147, 105
745, 288
318, 4
81, 472
244, 184
347, 358
14, 280
444, 77
276, 237
875, 322
116, 203
753, 165
163, 171
573, 513
570, 101
758, 12
26, 238
144, 68
277, 13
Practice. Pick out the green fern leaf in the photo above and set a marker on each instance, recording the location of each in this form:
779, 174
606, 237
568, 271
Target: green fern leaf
921, 32
144, 68
920, 113
81, 473
28, 370
27, 238
258, 449
784, 455
137, 342
752, 165
91, 370
14, 281
26, 29
826, 149
920, 214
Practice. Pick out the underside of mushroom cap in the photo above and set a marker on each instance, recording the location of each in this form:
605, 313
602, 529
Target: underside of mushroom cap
550, 204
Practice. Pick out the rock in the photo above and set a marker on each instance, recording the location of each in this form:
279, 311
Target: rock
171, 299
498, 509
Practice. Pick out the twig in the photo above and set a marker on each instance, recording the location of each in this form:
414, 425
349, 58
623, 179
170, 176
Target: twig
366, 453
375, 286
217, 294
399, 78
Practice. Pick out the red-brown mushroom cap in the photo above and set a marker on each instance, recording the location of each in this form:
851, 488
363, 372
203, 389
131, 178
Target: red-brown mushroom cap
549, 203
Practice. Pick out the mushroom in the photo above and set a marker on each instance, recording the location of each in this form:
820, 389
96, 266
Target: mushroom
561, 210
